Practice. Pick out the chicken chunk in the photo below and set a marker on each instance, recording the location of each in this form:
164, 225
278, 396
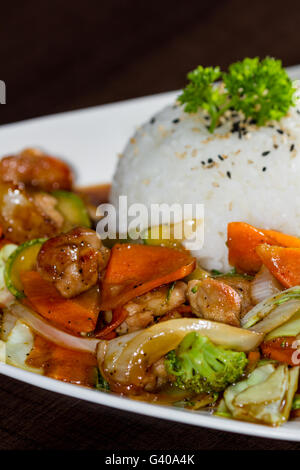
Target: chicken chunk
142, 310
25, 215
33, 168
243, 287
214, 300
73, 261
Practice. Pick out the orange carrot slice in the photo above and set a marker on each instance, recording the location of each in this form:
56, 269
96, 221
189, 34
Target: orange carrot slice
119, 315
282, 239
283, 263
279, 349
67, 314
242, 239
134, 270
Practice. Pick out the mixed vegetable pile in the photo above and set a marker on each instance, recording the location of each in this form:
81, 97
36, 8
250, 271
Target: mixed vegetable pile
143, 318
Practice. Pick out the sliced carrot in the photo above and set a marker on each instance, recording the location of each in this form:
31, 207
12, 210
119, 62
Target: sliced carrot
283, 263
282, 239
242, 239
253, 356
134, 270
119, 315
280, 349
68, 314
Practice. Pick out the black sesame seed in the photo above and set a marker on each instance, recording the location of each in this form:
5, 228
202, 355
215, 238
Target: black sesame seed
264, 168
264, 154
152, 121
280, 131
220, 157
298, 111
292, 147
207, 118
228, 174
203, 163
210, 160
176, 121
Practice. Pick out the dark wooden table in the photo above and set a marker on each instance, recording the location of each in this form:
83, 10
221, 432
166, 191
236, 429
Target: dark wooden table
58, 56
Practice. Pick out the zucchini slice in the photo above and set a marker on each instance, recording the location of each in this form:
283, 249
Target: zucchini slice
73, 210
22, 259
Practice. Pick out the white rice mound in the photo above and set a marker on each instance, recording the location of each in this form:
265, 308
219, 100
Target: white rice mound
174, 159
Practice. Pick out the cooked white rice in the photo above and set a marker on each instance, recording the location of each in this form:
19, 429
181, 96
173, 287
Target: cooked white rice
252, 177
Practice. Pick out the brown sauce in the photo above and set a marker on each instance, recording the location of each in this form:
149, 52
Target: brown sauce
75, 367
95, 195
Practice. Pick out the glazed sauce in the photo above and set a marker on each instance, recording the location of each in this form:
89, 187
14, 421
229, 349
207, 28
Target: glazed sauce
95, 195
75, 367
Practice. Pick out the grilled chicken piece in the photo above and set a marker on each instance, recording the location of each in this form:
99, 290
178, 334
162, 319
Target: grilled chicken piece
243, 287
214, 300
73, 261
142, 310
25, 215
33, 168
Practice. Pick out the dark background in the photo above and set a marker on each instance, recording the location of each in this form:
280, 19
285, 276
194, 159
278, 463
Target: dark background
62, 55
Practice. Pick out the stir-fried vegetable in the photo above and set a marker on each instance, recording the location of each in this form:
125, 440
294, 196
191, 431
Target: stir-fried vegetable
127, 359
274, 311
266, 396
46, 330
71, 206
68, 314
243, 240
289, 328
22, 259
133, 270
264, 285
18, 346
200, 366
282, 349
283, 263
5, 251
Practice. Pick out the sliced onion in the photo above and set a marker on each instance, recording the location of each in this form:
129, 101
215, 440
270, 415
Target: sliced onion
273, 312
264, 285
50, 332
125, 360
8, 322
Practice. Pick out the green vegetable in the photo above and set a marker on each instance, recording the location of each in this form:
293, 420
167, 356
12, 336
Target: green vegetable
260, 89
73, 210
21, 259
296, 402
170, 290
289, 328
266, 396
200, 366
101, 383
273, 311
5, 252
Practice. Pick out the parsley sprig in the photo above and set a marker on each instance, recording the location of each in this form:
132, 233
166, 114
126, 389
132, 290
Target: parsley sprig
260, 89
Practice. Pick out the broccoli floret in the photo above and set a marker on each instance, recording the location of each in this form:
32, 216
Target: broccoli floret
200, 366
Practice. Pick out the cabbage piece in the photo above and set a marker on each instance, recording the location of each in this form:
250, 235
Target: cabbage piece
289, 328
19, 343
5, 252
266, 396
273, 312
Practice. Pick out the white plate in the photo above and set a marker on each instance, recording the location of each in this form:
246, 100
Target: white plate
91, 139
